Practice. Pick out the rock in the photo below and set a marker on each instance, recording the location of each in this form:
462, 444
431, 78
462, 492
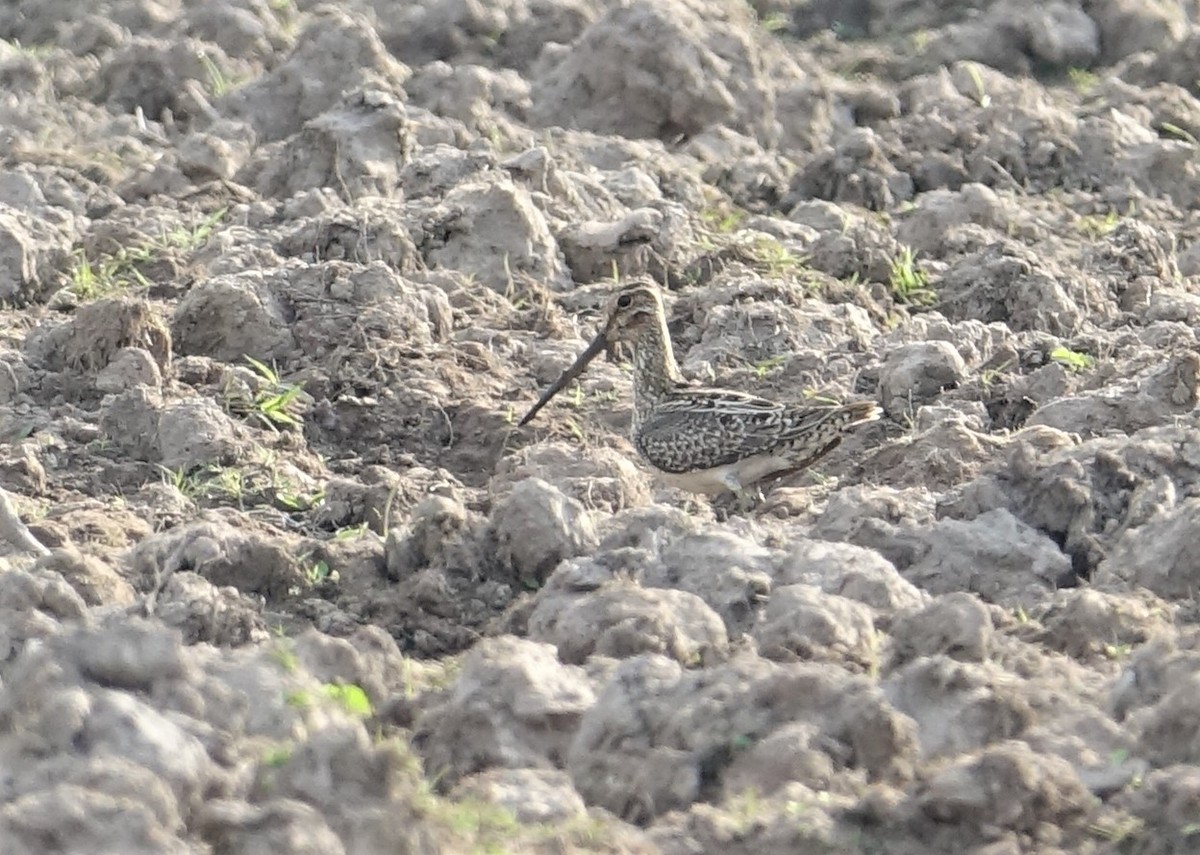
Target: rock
1063, 35
14, 376
34, 606
1164, 730
341, 756
590, 249
135, 655
113, 724
439, 534
883, 519
706, 826
859, 249
433, 172
218, 153
1128, 27
517, 32
1161, 801
1087, 495
134, 730
130, 421
21, 471
373, 502
1005, 282
171, 69
927, 228
477, 96
769, 329
791, 753
1153, 397
1154, 670
856, 170
598, 477
948, 453
647, 528
130, 827
1131, 251
262, 829
370, 231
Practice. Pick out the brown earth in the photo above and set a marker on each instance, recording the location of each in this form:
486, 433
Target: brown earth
278, 279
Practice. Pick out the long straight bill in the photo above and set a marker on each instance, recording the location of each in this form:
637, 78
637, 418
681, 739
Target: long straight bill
598, 344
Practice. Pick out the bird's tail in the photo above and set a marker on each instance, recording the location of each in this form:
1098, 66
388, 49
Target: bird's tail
859, 413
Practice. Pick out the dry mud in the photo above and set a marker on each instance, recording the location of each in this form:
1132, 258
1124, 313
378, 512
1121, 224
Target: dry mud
278, 278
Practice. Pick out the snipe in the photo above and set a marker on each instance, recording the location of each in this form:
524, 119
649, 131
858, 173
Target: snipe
704, 439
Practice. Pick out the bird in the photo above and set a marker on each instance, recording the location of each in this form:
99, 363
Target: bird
703, 439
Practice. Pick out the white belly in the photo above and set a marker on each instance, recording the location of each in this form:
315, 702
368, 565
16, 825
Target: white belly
731, 476
707, 481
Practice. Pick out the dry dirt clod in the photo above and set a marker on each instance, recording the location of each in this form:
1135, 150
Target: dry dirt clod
281, 570
956, 625
537, 526
514, 705
97, 333
623, 620
802, 623
916, 373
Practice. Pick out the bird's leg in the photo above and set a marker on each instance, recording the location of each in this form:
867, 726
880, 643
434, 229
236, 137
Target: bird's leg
744, 498
749, 499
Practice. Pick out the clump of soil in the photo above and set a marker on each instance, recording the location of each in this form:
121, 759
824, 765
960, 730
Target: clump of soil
278, 280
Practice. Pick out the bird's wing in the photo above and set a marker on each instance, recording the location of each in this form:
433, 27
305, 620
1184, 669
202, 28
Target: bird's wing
701, 428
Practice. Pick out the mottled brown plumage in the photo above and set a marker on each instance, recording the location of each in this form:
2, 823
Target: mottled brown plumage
704, 439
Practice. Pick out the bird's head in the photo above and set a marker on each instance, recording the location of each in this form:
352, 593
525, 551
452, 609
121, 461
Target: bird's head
630, 312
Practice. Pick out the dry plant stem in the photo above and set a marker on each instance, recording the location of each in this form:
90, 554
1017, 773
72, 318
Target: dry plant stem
15, 531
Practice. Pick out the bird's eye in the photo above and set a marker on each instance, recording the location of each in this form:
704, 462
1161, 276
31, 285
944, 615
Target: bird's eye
624, 301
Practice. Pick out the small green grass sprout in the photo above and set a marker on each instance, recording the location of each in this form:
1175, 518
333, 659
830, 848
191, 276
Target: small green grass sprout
908, 282
1072, 360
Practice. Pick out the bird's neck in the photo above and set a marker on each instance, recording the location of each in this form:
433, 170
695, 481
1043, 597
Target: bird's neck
655, 372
